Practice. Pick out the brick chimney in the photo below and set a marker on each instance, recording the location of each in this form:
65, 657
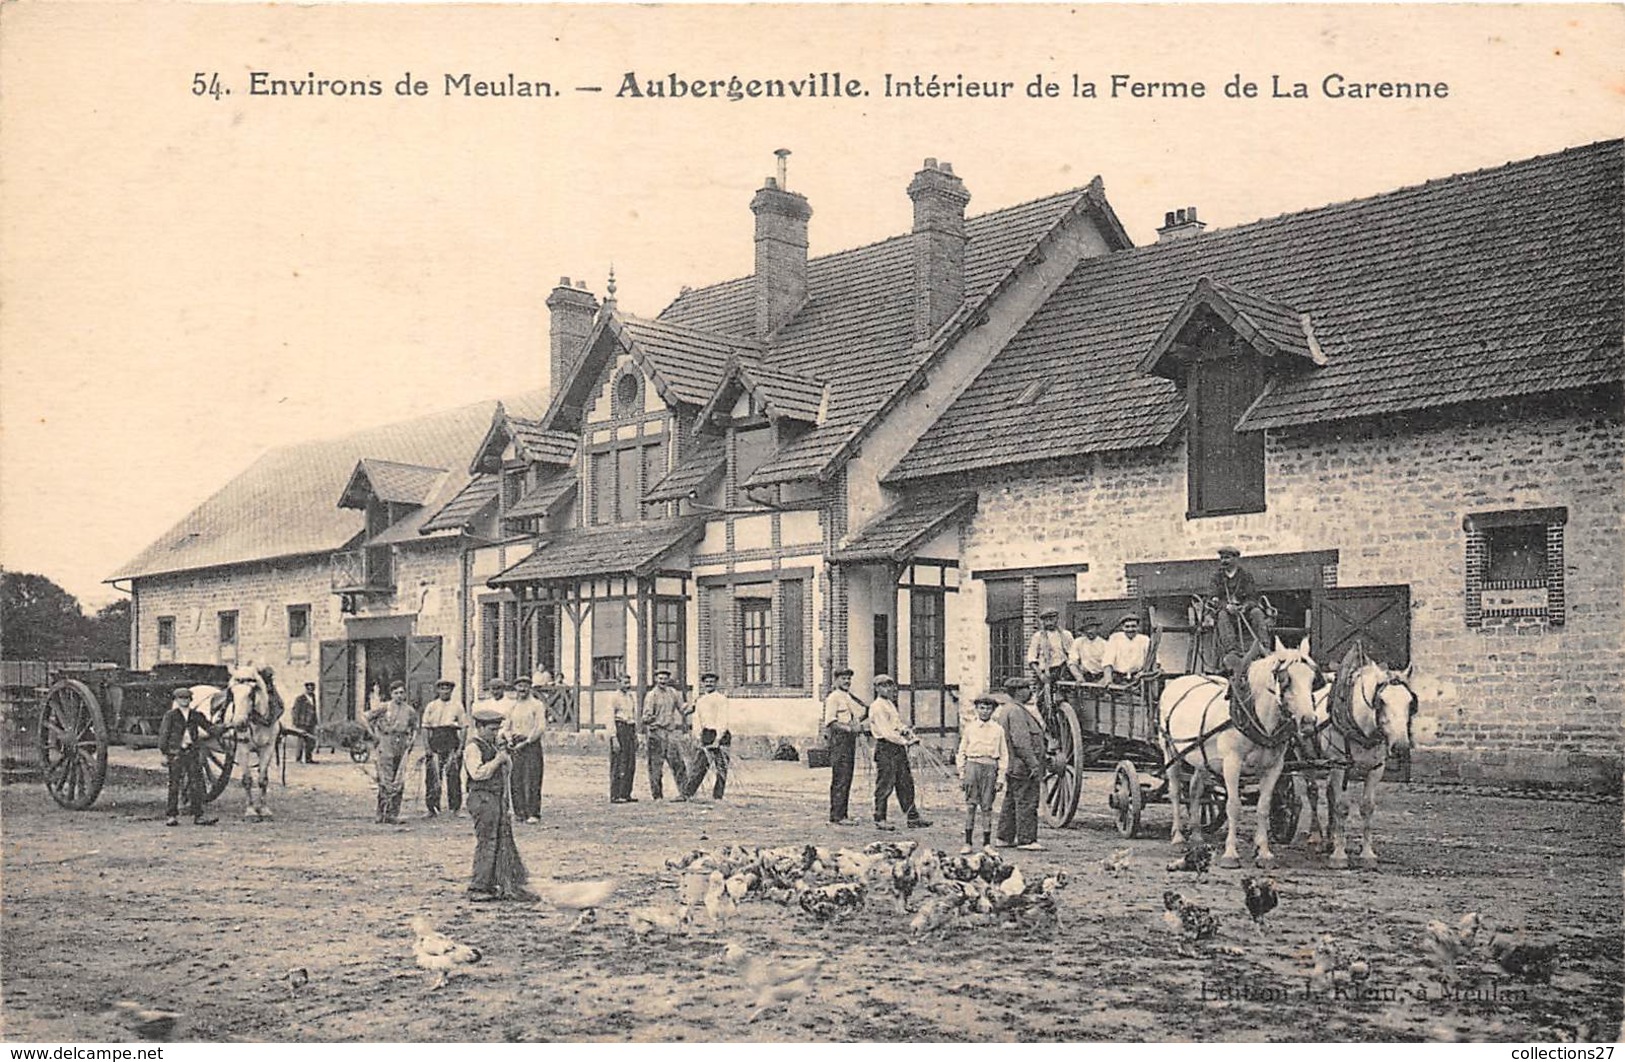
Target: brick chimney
571, 312
1178, 224
781, 251
939, 245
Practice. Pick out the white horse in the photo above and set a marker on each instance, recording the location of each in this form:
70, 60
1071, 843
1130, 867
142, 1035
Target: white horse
254, 710
1360, 718
1201, 732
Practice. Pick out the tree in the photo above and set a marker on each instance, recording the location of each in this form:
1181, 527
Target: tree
107, 634
41, 621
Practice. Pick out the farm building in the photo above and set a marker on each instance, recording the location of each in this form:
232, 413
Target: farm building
1404, 409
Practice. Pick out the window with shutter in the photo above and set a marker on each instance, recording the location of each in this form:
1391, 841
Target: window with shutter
1226, 466
792, 664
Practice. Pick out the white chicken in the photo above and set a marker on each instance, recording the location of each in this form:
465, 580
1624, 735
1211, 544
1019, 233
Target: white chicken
1445, 944
148, 1023
691, 889
1117, 862
583, 897
774, 983
740, 884
719, 902
645, 920
438, 952
934, 914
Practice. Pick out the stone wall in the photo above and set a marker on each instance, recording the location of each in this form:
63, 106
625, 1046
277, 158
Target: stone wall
1515, 700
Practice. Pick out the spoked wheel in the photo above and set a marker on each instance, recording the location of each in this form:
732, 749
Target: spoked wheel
1063, 782
1284, 811
73, 745
1127, 799
1214, 802
219, 755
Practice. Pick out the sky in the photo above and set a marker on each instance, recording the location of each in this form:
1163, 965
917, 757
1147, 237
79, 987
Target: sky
189, 280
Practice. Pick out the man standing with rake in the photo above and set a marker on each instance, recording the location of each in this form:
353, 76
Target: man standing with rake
892, 770
395, 726
716, 740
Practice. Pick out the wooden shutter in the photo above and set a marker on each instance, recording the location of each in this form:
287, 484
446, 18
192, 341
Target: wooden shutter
1379, 616
792, 606
333, 687
422, 668
1226, 467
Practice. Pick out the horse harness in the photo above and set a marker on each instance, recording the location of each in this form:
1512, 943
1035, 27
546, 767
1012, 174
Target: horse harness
1243, 718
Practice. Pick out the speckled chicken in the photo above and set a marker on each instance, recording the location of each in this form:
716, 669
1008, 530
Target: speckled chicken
1194, 922
1444, 944
1522, 959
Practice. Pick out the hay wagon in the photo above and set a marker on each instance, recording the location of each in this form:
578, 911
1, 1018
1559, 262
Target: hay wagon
83, 713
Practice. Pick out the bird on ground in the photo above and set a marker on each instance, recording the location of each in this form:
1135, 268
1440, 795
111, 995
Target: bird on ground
645, 920
438, 952
774, 983
1116, 863
1195, 922
583, 897
719, 903
1518, 957
935, 913
1444, 944
742, 884
148, 1023
1198, 858
904, 878
1260, 896
296, 978
891, 849
1014, 884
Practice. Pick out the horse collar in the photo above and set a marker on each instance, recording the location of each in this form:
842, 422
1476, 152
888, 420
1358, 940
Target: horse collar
1341, 713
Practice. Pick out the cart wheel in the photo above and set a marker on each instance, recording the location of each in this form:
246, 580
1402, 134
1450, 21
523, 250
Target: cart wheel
1284, 812
219, 755
72, 745
1214, 802
1127, 799
1063, 782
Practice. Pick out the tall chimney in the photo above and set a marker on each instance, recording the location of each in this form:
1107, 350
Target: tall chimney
939, 245
781, 251
1178, 224
571, 312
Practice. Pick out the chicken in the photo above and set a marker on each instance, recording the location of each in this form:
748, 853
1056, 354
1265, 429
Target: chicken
742, 884
148, 1023
934, 914
1445, 944
1521, 959
438, 952
691, 889
719, 903
583, 897
684, 862
1014, 884
645, 920
295, 978
1116, 863
891, 849
1194, 922
827, 901
1260, 896
904, 878
1198, 857
849, 864
774, 983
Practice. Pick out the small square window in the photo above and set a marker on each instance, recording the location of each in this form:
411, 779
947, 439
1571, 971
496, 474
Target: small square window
1515, 555
299, 632
1514, 566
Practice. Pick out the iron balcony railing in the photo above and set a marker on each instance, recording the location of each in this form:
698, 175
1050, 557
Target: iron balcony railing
366, 570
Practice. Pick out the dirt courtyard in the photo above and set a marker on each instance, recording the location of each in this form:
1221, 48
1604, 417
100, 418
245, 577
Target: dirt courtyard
108, 904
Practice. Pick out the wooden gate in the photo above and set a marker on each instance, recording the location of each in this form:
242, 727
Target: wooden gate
1379, 616
422, 668
334, 671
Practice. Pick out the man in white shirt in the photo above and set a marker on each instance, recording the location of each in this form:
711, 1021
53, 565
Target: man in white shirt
984, 758
1126, 650
842, 722
892, 771
444, 726
496, 697
1087, 657
1047, 651
711, 729
623, 744
527, 722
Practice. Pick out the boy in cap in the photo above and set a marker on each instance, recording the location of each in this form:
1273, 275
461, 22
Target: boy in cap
663, 721
395, 725
527, 722
180, 732
498, 872
623, 746
984, 759
892, 770
304, 722
1234, 596
843, 716
443, 726
711, 721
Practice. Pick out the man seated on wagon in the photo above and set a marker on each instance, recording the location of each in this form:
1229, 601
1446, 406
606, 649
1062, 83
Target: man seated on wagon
1087, 657
1047, 651
1234, 597
1126, 651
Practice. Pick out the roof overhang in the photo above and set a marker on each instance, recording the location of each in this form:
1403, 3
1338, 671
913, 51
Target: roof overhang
900, 532
389, 481
1275, 331
626, 549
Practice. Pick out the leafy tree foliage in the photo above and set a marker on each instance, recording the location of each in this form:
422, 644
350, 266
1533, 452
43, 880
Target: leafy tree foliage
41, 621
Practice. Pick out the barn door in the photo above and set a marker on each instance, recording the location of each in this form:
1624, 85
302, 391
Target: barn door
422, 668
336, 705
1379, 616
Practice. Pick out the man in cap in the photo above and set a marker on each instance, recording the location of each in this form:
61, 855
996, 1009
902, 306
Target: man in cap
498, 873
1126, 650
1234, 596
1048, 649
304, 723
496, 693
843, 716
180, 733
892, 770
1086, 660
623, 745
1024, 730
663, 720
395, 726
444, 725
711, 729
527, 722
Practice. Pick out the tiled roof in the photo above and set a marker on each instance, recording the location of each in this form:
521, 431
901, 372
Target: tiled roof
856, 328
635, 548
283, 504
688, 361
779, 394
1486, 285
904, 528
389, 481
479, 494
704, 455
1273, 330
536, 444
409, 529
545, 495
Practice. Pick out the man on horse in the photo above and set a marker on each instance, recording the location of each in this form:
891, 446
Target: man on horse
1240, 618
